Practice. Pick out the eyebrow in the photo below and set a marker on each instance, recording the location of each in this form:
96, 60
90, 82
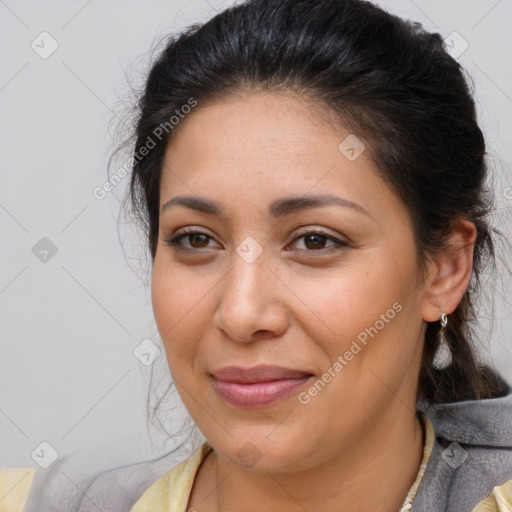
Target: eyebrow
278, 208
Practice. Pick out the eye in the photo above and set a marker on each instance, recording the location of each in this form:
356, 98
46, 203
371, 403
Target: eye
314, 241
193, 235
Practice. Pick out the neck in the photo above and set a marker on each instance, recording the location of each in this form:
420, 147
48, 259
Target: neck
375, 473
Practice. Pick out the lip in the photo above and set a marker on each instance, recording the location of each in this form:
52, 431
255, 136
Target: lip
259, 386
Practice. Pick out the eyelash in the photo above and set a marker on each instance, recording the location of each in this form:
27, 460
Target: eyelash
174, 240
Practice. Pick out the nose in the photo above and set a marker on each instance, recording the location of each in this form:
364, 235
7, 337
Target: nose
252, 301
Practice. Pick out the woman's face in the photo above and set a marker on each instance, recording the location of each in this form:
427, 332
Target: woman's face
330, 293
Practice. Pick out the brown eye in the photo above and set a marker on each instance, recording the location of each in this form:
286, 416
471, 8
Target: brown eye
200, 238
196, 239
316, 241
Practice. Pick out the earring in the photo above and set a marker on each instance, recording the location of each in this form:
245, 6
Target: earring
443, 356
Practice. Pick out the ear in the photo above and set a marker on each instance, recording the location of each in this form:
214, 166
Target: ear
450, 272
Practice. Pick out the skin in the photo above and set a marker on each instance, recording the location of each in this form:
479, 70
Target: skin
299, 304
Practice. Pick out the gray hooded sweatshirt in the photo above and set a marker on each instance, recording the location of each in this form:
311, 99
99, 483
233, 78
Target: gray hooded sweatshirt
461, 475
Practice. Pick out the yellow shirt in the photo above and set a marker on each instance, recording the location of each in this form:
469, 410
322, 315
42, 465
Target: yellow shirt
14, 488
171, 492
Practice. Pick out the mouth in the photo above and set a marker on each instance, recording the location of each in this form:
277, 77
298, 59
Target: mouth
257, 387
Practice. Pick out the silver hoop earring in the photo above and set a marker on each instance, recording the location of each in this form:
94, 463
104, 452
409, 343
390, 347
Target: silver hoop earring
443, 356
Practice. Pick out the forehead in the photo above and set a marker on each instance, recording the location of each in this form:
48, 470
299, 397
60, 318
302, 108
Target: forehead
261, 131
250, 122
265, 146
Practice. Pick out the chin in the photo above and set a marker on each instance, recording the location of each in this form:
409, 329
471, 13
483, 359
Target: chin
262, 449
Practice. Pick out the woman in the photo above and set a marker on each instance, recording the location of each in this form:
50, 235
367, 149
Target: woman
316, 224
311, 177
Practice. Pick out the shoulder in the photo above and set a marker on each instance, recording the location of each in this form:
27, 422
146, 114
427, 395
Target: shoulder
172, 490
25, 489
471, 460
15, 486
500, 500
121, 488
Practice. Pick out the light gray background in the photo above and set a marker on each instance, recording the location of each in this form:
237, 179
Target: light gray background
69, 326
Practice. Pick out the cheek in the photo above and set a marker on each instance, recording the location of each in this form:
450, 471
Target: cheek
341, 305
178, 308
164, 298
367, 313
